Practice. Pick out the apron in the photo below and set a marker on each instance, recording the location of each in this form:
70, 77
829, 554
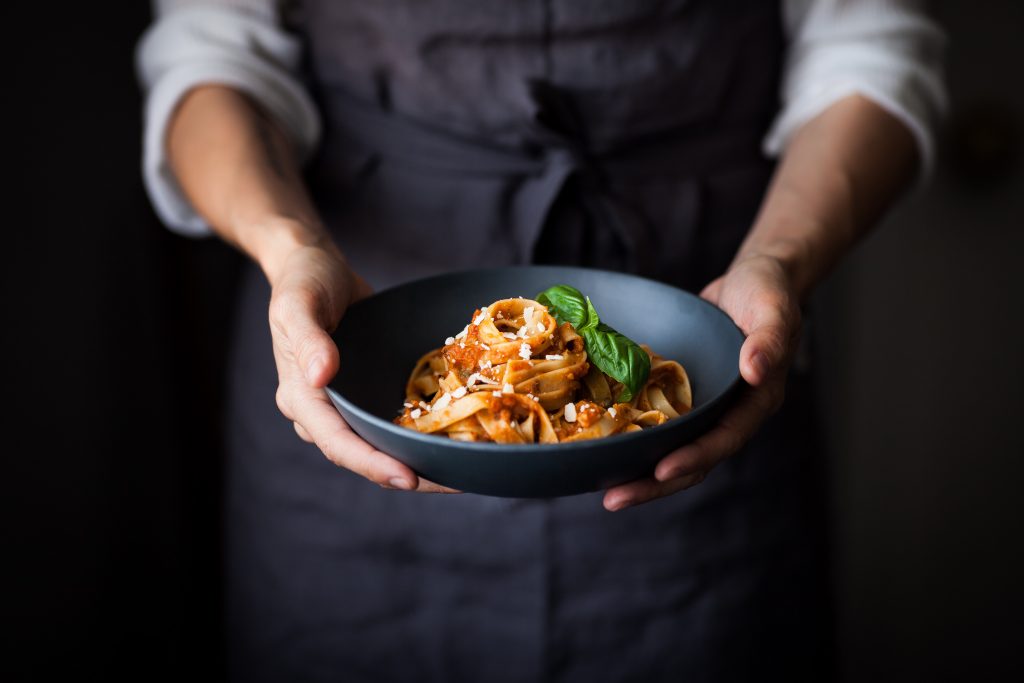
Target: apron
468, 133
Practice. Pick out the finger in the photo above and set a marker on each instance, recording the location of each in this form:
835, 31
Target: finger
427, 486
295, 319
361, 288
769, 338
344, 448
303, 434
725, 438
644, 490
711, 292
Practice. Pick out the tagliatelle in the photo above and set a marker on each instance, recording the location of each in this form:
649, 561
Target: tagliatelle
514, 375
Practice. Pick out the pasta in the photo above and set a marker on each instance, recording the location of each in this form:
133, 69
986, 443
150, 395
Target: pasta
515, 375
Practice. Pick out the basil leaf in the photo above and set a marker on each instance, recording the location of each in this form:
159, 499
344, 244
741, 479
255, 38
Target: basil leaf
619, 357
592, 319
612, 352
566, 303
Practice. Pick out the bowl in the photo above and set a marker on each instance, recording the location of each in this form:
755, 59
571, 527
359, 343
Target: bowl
382, 337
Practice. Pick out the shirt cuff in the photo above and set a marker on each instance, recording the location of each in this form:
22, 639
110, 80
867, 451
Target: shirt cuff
884, 90
205, 46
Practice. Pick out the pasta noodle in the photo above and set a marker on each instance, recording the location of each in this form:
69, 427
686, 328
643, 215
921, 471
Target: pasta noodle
514, 375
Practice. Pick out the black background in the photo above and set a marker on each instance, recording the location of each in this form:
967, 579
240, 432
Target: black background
113, 343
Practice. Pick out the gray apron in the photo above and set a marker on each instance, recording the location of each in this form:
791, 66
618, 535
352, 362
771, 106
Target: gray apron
466, 133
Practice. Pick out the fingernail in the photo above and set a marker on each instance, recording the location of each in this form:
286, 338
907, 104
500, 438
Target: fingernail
672, 474
621, 504
313, 369
400, 483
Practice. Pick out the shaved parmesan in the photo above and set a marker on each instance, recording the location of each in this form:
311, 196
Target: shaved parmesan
480, 318
508, 335
415, 413
465, 331
611, 411
472, 379
495, 393
570, 412
442, 403
525, 351
554, 356
540, 327
449, 340
508, 389
459, 393
527, 315
407, 404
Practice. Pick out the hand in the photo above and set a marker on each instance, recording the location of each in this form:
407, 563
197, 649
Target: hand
312, 287
759, 296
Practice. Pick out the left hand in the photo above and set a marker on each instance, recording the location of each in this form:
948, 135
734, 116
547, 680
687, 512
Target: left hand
758, 294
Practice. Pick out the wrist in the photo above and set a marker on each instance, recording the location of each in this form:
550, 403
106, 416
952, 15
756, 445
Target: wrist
271, 240
794, 256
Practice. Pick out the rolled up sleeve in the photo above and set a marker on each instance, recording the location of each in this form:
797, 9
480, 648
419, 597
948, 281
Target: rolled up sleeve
888, 51
235, 44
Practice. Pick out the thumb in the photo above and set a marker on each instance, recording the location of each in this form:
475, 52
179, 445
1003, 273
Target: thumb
294, 317
766, 346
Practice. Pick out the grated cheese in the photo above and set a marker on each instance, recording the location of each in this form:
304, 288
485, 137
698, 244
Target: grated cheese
459, 393
449, 341
407, 404
480, 318
495, 393
472, 379
485, 347
415, 413
570, 412
525, 351
508, 335
465, 331
442, 403
611, 411
527, 315
554, 356
540, 327
508, 389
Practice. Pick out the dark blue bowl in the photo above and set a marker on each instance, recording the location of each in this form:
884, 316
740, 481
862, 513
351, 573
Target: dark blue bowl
381, 338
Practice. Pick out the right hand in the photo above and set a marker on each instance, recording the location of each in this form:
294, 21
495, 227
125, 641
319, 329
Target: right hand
312, 285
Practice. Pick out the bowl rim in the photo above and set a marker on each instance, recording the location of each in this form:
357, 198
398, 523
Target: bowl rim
487, 446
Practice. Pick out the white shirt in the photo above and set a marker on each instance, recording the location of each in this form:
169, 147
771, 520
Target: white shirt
886, 50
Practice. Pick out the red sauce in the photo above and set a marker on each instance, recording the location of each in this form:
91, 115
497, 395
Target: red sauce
464, 354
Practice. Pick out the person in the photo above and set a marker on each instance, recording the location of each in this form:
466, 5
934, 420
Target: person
736, 149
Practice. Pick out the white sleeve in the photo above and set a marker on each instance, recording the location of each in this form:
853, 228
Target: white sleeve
229, 42
886, 50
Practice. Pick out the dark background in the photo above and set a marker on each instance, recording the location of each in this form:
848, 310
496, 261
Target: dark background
115, 334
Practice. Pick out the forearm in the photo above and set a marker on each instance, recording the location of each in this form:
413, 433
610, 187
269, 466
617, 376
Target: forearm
839, 174
239, 171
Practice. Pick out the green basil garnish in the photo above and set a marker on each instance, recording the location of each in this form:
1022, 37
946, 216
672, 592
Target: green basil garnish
566, 303
612, 352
